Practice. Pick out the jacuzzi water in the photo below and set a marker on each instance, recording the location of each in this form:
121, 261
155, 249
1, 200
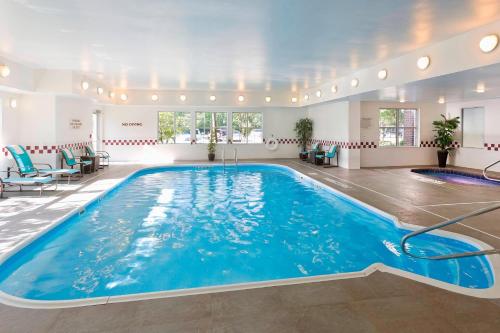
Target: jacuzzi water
186, 227
457, 178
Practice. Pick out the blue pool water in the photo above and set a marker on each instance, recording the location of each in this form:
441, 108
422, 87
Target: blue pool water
186, 227
457, 177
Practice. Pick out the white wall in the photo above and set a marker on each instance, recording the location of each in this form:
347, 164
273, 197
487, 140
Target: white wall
478, 158
8, 127
337, 121
277, 121
398, 156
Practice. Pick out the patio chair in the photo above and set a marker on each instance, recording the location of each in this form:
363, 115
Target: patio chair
103, 155
314, 150
331, 153
26, 168
72, 160
23, 181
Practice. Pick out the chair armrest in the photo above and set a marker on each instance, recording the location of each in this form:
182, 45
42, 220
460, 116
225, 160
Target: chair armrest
50, 166
11, 171
102, 152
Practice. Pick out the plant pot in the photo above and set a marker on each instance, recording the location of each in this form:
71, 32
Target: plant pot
303, 155
211, 157
442, 158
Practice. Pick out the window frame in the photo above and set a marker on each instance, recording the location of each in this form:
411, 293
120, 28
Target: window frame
175, 127
397, 127
262, 128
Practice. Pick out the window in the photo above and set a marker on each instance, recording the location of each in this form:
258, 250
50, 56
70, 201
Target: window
174, 127
205, 122
398, 127
473, 127
247, 127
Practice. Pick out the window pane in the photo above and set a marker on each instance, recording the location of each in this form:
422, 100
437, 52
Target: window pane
247, 127
239, 119
473, 127
166, 127
407, 118
182, 127
221, 126
407, 136
387, 136
387, 118
255, 126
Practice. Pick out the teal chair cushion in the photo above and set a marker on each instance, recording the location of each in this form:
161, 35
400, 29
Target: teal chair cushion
90, 151
22, 159
332, 151
69, 157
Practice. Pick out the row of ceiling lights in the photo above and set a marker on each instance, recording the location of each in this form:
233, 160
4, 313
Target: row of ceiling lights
487, 44
155, 97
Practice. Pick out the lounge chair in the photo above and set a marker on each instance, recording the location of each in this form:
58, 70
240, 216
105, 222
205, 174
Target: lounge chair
72, 160
23, 181
103, 155
26, 168
331, 153
314, 150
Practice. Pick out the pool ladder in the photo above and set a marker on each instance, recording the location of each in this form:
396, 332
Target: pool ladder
405, 239
486, 170
224, 158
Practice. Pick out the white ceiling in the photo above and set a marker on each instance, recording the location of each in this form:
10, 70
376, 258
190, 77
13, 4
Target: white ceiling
227, 44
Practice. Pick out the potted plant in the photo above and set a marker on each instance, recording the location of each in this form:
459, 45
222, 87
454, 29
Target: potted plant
303, 130
445, 129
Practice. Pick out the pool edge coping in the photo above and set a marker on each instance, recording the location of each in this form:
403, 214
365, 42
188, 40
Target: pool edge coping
492, 292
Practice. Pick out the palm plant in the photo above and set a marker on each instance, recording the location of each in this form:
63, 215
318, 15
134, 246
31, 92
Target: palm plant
445, 130
304, 129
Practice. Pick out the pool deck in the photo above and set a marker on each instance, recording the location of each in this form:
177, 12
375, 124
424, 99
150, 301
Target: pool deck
381, 302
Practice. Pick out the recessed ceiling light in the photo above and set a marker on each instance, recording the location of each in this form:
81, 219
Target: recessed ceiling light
306, 97
183, 98
4, 70
155, 97
318, 93
441, 100
294, 99
13, 103
334, 89
354, 83
111, 94
382, 74
241, 98
213, 98
124, 97
480, 88
100, 91
85, 85
402, 100
268, 99
423, 62
488, 43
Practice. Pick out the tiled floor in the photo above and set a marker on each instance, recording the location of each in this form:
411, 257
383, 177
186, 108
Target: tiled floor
378, 303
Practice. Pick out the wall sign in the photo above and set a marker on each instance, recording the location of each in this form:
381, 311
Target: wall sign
75, 123
131, 124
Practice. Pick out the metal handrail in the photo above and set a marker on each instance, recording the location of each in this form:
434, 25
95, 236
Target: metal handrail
405, 239
486, 170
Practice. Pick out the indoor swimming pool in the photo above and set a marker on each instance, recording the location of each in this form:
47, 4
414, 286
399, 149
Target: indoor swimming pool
184, 227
